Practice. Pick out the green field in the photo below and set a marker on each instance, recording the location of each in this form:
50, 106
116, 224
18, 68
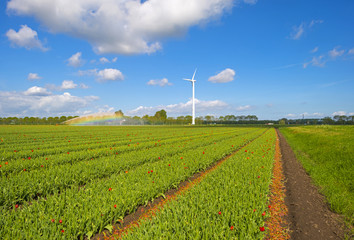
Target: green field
327, 154
64, 182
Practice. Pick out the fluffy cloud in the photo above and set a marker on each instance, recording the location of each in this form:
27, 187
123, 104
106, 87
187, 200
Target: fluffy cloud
121, 26
65, 85
181, 108
37, 91
163, 82
104, 60
75, 60
224, 76
298, 31
25, 37
340, 113
33, 76
335, 52
108, 74
68, 84
37, 101
351, 51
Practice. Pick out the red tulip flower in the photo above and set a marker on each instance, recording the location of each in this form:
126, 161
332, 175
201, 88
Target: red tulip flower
262, 229
219, 212
232, 228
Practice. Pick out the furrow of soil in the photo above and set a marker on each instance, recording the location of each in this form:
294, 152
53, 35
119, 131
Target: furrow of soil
309, 214
277, 222
142, 212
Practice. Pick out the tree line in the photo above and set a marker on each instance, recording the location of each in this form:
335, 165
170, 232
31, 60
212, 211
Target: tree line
161, 118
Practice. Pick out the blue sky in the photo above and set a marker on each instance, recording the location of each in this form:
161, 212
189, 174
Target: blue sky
272, 59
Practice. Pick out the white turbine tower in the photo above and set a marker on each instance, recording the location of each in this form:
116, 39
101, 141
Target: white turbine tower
193, 100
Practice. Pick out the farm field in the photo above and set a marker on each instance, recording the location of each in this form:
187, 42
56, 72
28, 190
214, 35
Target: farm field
327, 154
64, 182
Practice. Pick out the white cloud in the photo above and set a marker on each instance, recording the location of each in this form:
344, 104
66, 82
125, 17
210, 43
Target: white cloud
83, 86
33, 76
121, 26
109, 74
244, 108
224, 76
314, 50
37, 101
37, 91
298, 31
104, 60
316, 61
351, 51
163, 82
180, 108
306, 115
340, 113
114, 59
25, 37
291, 115
251, 2
89, 72
75, 60
335, 53
313, 22
65, 85
106, 109
68, 84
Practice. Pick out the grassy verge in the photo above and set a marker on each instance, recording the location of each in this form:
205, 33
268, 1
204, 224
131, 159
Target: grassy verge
327, 154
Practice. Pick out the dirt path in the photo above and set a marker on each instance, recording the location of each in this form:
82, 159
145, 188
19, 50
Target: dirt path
309, 215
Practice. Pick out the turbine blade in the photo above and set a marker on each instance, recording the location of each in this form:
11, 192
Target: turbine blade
194, 74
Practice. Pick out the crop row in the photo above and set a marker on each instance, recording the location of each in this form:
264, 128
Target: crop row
30, 184
39, 161
39, 149
77, 212
230, 202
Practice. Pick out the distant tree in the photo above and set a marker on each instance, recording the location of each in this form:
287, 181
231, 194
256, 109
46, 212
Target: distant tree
283, 121
119, 113
327, 120
63, 119
161, 115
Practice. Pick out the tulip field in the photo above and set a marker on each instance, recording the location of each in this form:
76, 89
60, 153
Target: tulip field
66, 182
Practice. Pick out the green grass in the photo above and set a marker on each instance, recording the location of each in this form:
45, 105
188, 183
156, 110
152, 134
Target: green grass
327, 154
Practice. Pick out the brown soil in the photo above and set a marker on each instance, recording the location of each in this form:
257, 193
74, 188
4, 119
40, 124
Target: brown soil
309, 214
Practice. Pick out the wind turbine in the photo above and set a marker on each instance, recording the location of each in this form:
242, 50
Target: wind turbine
193, 100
